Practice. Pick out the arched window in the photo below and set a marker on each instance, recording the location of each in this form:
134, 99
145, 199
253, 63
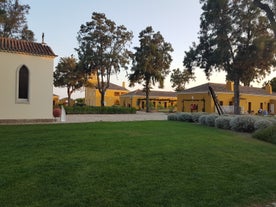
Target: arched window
23, 83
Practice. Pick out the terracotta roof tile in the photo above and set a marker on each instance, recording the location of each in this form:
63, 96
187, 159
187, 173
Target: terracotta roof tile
222, 88
113, 86
116, 87
152, 93
23, 46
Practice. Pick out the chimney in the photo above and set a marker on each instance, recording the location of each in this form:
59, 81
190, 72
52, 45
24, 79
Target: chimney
230, 85
123, 84
268, 88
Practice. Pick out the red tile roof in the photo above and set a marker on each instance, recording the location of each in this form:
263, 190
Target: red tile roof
113, 86
25, 47
152, 93
222, 88
116, 87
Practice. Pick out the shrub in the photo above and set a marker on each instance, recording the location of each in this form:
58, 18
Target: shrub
172, 117
262, 124
178, 116
171, 109
273, 120
185, 116
223, 122
243, 123
202, 119
195, 116
80, 102
268, 134
210, 119
99, 110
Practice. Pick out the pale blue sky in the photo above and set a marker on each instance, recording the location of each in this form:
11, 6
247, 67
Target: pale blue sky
177, 20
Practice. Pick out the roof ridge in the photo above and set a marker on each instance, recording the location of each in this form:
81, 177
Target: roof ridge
23, 46
140, 92
222, 88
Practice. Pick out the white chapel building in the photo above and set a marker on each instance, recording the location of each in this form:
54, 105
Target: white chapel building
26, 81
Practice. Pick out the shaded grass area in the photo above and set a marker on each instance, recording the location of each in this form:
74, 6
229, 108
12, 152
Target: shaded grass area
151, 163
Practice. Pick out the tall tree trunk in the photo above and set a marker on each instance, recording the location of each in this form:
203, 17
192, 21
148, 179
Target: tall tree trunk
101, 86
236, 94
147, 90
69, 96
102, 97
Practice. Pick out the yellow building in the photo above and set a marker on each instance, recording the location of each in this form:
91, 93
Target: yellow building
112, 94
158, 99
251, 99
55, 100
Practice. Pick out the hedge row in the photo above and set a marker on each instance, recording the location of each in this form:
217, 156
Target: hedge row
239, 123
99, 110
268, 134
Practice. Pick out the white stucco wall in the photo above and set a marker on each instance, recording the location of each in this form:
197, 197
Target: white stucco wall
40, 86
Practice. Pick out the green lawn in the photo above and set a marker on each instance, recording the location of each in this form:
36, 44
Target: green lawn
147, 164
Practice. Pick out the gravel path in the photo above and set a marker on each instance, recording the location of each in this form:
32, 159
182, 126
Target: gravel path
139, 116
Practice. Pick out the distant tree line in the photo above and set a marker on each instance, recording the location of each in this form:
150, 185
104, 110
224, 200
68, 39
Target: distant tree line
238, 37
104, 50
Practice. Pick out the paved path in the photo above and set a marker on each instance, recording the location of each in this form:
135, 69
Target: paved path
139, 116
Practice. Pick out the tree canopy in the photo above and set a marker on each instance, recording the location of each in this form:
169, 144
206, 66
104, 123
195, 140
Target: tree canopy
235, 37
180, 78
67, 74
269, 7
151, 61
13, 22
103, 49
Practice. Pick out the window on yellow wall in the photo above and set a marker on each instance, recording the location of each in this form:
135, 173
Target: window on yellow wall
221, 103
116, 93
249, 107
230, 103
